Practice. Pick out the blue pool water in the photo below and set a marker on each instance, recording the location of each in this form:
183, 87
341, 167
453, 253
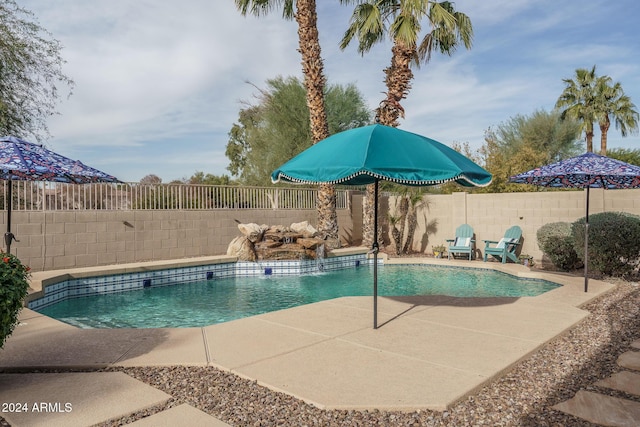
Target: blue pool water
216, 301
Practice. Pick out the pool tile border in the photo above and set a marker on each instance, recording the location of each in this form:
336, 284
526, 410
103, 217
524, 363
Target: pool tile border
77, 287
479, 267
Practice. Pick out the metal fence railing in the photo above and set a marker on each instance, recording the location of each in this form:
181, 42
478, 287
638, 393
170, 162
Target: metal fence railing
52, 196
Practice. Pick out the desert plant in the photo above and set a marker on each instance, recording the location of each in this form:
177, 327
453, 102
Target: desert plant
614, 242
13, 288
416, 200
394, 221
438, 250
556, 242
404, 221
526, 259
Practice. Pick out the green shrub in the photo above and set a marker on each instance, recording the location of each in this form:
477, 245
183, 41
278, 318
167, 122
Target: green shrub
13, 288
614, 242
552, 229
555, 241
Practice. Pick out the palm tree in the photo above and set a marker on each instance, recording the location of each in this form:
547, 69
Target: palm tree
372, 21
304, 12
577, 101
611, 103
394, 221
416, 201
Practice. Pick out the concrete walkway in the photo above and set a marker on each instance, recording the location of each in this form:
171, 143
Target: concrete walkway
428, 353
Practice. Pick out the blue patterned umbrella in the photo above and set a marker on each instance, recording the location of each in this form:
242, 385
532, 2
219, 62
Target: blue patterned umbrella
586, 171
24, 161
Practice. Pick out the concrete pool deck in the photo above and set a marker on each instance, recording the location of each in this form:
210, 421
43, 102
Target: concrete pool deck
427, 353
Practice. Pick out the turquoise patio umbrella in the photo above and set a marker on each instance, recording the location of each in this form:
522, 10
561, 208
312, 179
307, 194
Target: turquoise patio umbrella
372, 153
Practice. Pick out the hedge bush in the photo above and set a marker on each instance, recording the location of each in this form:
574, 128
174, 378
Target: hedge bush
556, 241
614, 242
13, 288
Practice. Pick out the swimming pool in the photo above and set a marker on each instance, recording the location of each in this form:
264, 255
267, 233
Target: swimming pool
221, 300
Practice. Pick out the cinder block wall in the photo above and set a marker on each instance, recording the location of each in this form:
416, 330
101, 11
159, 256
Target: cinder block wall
491, 214
65, 239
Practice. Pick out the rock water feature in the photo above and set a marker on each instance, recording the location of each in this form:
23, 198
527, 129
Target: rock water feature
298, 241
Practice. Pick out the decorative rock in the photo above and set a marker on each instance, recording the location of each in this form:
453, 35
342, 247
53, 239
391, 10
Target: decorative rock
267, 244
242, 248
310, 243
285, 252
303, 228
332, 244
273, 236
275, 229
235, 245
278, 242
252, 231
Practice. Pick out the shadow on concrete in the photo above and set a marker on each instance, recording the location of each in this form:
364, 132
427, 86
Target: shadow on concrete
40, 342
445, 300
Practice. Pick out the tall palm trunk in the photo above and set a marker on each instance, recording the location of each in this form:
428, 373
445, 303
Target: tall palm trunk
395, 233
398, 82
604, 129
589, 137
415, 201
403, 210
367, 219
314, 80
412, 219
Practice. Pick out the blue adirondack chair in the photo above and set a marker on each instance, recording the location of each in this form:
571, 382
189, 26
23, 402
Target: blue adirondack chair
463, 243
504, 248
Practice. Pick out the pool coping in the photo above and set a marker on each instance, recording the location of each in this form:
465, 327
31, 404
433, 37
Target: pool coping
40, 279
50, 287
428, 353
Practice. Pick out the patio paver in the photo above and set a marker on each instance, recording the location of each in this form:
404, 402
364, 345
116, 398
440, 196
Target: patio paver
630, 360
180, 415
602, 409
73, 399
628, 382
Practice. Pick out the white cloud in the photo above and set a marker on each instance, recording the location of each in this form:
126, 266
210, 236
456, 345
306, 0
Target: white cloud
158, 84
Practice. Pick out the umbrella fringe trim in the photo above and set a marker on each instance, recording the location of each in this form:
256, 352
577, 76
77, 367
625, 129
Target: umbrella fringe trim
413, 182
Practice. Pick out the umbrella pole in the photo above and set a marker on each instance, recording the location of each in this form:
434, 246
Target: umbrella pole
586, 244
8, 236
374, 249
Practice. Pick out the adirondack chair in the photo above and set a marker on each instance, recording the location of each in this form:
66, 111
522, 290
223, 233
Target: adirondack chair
504, 248
463, 243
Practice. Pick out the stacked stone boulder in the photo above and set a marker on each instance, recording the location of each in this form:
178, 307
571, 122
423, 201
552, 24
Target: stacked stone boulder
277, 242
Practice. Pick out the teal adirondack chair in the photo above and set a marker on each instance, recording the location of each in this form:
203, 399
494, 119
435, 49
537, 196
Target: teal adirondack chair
506, 247
464, 243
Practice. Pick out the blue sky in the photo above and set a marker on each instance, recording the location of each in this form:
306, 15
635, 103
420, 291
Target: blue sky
160, 83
